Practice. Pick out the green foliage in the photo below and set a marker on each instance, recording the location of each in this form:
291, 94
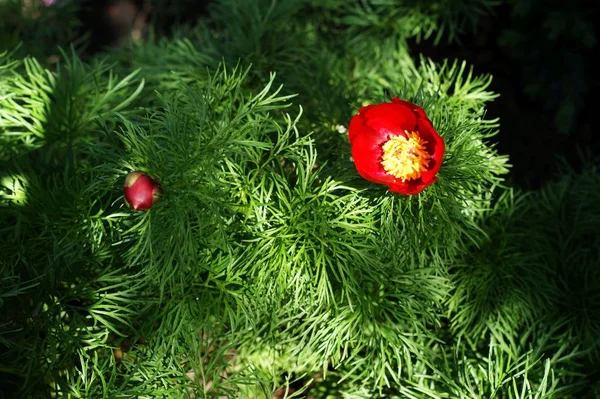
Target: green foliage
566, 243
268, 264
545, 252
543, 248
54, 110
380, 19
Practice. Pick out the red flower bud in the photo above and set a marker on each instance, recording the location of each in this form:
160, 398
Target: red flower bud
395, 144
141, 192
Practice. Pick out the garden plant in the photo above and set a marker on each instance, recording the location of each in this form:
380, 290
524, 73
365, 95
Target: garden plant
281, 199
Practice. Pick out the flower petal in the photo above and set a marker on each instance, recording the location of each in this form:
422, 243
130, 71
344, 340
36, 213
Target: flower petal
413, 107
356, 127
435, 147
389, 118
373, 126
366, 154
408, 187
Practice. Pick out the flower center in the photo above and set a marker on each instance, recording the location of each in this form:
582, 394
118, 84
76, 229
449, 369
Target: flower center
405, 157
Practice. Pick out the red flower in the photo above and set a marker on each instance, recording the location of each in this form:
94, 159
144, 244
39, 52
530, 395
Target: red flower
395, 144
141, 191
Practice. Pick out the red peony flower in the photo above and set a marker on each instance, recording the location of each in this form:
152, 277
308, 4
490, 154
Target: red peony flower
395, 144
141, 191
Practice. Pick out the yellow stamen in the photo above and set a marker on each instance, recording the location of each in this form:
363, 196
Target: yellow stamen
405, 157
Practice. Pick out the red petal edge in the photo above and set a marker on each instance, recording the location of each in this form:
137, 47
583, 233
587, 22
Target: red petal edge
371, 128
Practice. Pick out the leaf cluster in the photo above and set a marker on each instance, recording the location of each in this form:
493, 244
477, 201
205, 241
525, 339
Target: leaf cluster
268, 263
